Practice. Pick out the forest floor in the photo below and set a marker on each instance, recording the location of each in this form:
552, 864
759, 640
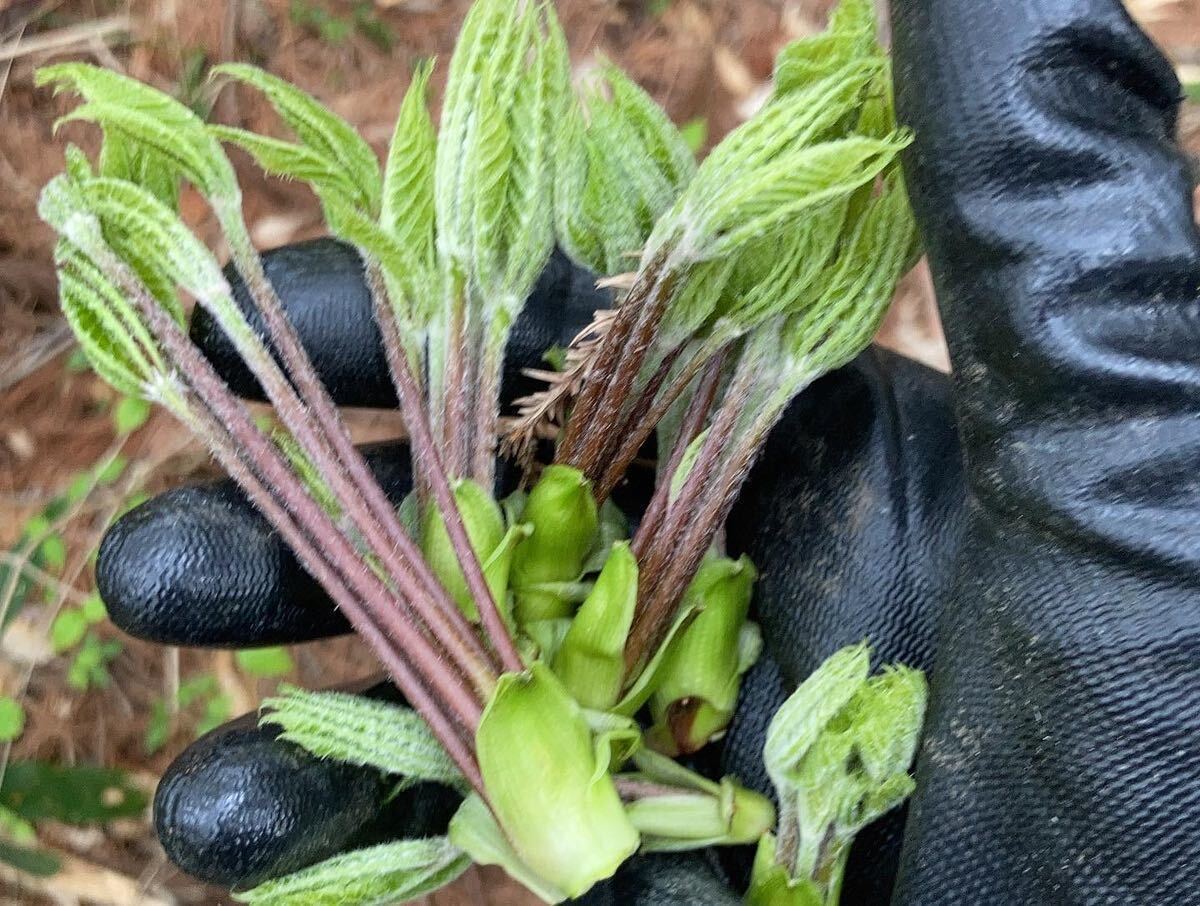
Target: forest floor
707, 61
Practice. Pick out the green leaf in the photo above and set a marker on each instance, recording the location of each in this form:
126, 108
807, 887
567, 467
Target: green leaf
858, 286
52, 553
68, 629
329, 136
129, 414
389, 873
93, 609
619, 172
265, 663
291, 161
407, 213
801, 719
79, 794
363, 732
838, 752
12, 718
35, 862
144, 116
89, 668
494, 174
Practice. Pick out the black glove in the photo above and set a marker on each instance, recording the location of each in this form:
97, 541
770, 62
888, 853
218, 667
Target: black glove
199, 566
1059, 763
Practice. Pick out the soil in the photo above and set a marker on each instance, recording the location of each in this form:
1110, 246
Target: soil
702, 59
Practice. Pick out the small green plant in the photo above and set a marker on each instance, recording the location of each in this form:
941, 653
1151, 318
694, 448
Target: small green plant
554, 663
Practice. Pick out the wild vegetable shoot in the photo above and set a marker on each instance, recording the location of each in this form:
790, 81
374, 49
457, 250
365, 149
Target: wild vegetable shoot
559, 654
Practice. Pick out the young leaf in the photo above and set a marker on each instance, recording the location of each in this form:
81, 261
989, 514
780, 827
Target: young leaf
291, 161
619, 172
324, 133
363, 732
407, 213
144, 116
389, 873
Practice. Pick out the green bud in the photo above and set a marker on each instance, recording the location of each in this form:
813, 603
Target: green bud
591, 660
549, 787
838, 752
562, 512
698, 685
485, 528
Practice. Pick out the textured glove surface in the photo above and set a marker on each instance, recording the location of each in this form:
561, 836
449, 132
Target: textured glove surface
1059, 762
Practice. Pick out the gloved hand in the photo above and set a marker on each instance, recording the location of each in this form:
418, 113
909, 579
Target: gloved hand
1057, 218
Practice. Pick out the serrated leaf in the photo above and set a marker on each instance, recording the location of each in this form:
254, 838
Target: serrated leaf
363, 732
144, 116
320, 130
290, 161
799, 721
389, 873
407, 213
858, 286
619, 172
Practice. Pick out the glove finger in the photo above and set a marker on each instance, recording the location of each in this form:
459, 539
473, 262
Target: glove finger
241, 806
201, 566
674, 879
320, 283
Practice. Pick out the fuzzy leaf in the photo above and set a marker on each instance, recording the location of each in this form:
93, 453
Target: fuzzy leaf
389, 873
290, 161
858, 286
363, 732
320, 130
407, 212
619, 172
144, 116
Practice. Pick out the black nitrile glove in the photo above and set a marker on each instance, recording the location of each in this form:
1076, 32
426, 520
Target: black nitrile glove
199, 566
1060, 759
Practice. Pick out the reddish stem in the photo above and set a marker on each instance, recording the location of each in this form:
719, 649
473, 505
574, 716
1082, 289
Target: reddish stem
426, 455
611, 349
693, 423
371, 601
359, 486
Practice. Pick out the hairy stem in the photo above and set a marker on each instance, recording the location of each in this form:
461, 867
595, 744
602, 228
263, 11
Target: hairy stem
693, 423
371, 606
611, 351
325, 440
650, 409
655, 596
433, 472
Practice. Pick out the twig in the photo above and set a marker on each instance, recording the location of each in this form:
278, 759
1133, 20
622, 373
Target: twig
64, 38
